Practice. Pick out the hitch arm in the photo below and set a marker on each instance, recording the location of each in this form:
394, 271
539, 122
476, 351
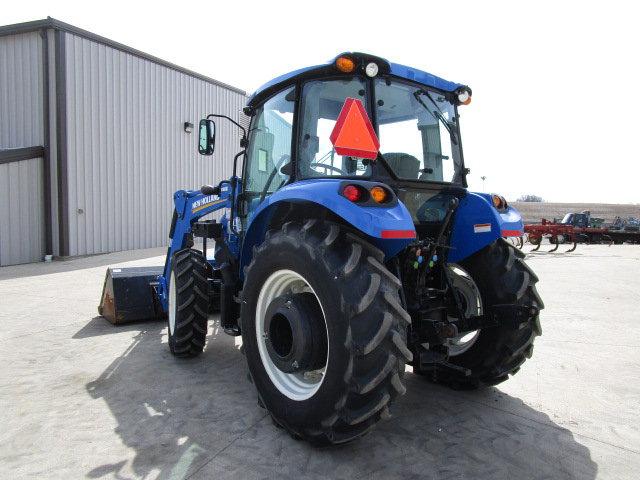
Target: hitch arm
517, 314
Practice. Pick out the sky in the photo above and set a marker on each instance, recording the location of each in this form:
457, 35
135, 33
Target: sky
556, 99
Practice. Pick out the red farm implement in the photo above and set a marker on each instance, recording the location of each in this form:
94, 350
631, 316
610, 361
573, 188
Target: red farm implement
575, 228
558, 233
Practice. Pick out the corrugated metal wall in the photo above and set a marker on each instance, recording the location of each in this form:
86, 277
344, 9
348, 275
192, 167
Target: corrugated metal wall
21, 126
53, 144
127, 151
21, 212
21, 117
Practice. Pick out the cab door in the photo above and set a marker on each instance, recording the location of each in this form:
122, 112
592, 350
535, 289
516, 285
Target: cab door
268, 163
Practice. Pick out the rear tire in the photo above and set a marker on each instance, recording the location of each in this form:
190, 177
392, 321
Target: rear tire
504, 280
188, 303
366, 350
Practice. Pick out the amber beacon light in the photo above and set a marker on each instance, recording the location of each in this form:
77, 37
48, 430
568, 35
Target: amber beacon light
345, 64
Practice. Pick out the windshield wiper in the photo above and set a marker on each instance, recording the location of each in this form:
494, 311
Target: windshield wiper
437, 113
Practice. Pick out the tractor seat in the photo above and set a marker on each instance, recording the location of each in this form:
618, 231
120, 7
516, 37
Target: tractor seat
403, 164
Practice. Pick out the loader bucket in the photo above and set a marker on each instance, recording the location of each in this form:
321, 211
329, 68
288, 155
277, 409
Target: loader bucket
128, 295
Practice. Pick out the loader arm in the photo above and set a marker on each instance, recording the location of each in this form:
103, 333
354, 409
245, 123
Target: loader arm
190, 206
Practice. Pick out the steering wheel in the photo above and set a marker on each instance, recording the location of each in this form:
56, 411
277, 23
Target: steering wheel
272, 175
330, 167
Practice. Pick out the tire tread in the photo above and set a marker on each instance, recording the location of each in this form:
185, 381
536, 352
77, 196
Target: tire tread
189, 337
376, 332
511, 282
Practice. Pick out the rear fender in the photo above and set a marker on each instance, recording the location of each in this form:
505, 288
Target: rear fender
478, 223
377, 224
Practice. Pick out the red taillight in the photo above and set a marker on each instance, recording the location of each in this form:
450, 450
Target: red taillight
352, 193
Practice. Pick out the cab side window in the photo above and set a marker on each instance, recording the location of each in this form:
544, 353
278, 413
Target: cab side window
269, 154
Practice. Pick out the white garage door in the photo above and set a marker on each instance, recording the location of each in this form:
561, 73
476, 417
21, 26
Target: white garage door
21, 212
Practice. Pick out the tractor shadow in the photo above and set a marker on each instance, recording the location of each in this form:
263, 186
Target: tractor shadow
199, 418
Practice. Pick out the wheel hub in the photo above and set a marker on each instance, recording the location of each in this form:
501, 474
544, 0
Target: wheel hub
295, 333
471, 304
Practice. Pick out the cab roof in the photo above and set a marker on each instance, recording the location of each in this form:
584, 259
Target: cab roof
362, 59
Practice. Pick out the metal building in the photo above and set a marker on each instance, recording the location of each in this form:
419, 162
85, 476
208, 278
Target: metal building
93, 141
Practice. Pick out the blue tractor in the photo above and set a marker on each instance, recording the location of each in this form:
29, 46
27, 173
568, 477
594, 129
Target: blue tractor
350, 247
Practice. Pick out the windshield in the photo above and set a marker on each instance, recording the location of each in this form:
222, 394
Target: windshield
418, 132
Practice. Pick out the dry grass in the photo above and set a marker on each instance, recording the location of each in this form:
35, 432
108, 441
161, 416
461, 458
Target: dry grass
532, 212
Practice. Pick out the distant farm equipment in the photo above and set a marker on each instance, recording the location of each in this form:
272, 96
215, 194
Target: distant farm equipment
633, 225
581, 227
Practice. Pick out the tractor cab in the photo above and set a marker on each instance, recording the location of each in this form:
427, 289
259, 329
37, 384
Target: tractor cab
404, 133
580, 220
575, 219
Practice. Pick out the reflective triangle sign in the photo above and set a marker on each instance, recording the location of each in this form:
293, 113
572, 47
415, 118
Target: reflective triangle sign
353, 134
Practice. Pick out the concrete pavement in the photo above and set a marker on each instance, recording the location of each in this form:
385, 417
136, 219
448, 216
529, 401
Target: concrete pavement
81, 398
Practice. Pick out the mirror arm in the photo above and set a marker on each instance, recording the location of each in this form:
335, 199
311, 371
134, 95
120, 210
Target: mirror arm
243, 142
234, 182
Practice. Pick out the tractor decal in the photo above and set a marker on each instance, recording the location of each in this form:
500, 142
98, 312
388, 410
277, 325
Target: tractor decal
204, 203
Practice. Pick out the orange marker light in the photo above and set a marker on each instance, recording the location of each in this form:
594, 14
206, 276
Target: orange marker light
379, 194
345, 64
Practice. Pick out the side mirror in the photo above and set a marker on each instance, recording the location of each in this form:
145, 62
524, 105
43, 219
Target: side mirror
207, 142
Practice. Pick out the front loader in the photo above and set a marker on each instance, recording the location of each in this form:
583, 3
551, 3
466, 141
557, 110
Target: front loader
350, 247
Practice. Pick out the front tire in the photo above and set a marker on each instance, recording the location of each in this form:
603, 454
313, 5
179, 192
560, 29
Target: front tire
188, 303
361, 316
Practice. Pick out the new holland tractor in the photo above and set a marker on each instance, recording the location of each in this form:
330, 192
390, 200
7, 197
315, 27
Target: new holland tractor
349, 248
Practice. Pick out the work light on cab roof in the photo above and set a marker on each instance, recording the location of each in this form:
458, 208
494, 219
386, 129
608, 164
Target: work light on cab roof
348, 64
371, 66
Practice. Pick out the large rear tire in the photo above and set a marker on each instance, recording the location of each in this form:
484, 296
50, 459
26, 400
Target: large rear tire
188, 303
349, 389
507, 288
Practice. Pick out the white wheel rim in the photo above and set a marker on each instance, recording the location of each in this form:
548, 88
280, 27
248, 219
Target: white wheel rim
172, 303
296, 386
465, 285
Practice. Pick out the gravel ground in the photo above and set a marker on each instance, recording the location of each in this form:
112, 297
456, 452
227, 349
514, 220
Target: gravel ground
84, 399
